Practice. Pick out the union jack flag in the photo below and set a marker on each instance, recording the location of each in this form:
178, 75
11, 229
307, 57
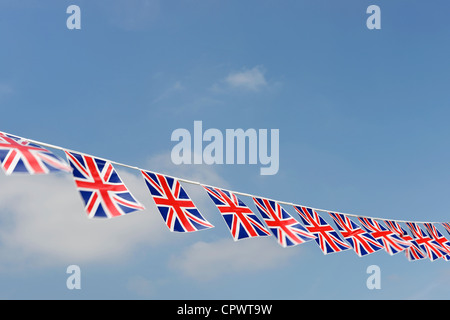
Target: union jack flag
287, 230
444, 244
18, 155
426, 243
446, 225
391, 242
241, 221
413, 252
177, 209
326, 237
360, 240
102, 190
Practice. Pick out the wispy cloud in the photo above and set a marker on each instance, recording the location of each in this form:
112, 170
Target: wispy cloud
43, 223
437, 287
208, 260
142, 287
169, 92
204, 173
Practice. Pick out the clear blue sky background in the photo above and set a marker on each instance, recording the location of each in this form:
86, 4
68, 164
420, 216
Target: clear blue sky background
363, 119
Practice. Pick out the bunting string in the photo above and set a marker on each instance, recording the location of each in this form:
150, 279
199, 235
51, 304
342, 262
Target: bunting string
235, 192
105, 195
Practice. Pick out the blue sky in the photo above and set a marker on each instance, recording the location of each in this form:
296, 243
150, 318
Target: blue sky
362, 116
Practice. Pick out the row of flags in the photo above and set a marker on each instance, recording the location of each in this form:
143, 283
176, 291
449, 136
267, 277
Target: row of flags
105, 196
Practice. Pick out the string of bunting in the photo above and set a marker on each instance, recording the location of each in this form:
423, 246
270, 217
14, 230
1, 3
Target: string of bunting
105, 196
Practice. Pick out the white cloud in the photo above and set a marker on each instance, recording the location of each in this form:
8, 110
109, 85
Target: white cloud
141, 286
252, 79
204, 261
43, 223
